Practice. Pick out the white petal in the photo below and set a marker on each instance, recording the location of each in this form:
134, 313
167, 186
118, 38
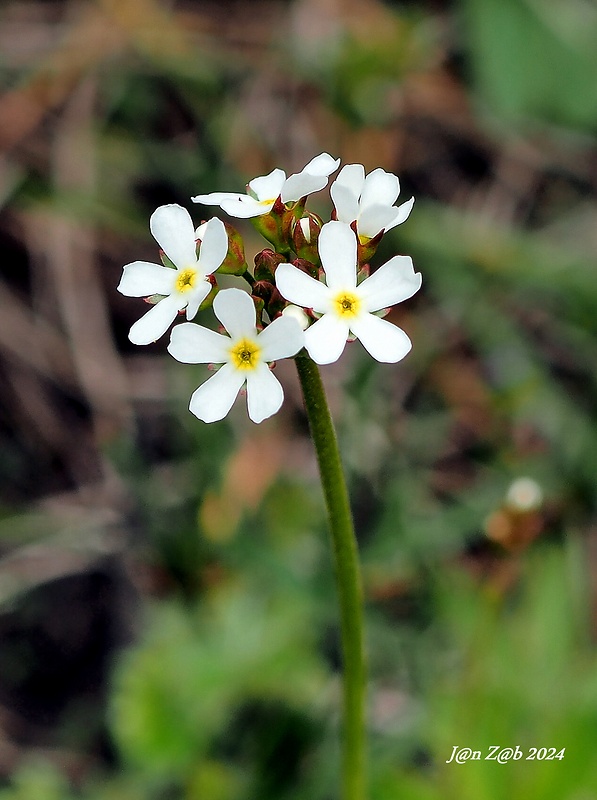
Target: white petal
298, 287
194, 344
141, 279
384, 341
196, 297
214, 399
157, 320
236, 311
244, 207
282, 339
402, 213
214, 246
380, 188
325, 339
346, 201
268, 187
301, 184
352, 176
173, 229
215, 198
337, 245
323, 164
374, 219
392, 283
312, 178
264, 393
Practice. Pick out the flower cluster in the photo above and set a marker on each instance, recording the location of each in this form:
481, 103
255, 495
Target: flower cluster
313, 290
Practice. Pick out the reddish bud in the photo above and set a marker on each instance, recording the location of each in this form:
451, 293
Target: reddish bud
305, 235
266, 263
263, 290
259, 306
307, 266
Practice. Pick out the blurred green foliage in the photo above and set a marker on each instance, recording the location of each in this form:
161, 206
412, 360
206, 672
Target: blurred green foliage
534, 60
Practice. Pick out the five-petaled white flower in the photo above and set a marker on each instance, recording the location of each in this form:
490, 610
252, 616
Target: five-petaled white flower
347, 308
244, 355
263, 192
368, 200
187, 286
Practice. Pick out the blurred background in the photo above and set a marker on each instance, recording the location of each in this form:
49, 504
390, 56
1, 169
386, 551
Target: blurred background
168, 623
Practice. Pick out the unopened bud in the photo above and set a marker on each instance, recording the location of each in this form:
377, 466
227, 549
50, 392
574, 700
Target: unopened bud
297, 313
307, 266
263, 290
305, 235
266, 263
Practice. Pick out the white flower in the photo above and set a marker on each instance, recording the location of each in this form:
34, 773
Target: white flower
368, 200
187, 286
244, 355
348, 308
263, 192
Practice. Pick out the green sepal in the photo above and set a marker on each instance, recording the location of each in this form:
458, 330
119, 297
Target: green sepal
366, 248
235, 262
166, 261
208, 302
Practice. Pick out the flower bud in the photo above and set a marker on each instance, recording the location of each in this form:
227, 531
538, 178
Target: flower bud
297, 313
307, 266
263, 290
266, 263
276, 304
259, 306
305, 235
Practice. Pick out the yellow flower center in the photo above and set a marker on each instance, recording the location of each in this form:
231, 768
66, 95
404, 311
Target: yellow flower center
186, 280
347, 305
245, 354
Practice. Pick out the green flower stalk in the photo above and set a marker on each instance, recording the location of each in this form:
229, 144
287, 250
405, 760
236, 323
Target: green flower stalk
348, 578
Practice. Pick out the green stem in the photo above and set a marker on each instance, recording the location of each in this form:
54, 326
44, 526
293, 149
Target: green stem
248, 277
348, 579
